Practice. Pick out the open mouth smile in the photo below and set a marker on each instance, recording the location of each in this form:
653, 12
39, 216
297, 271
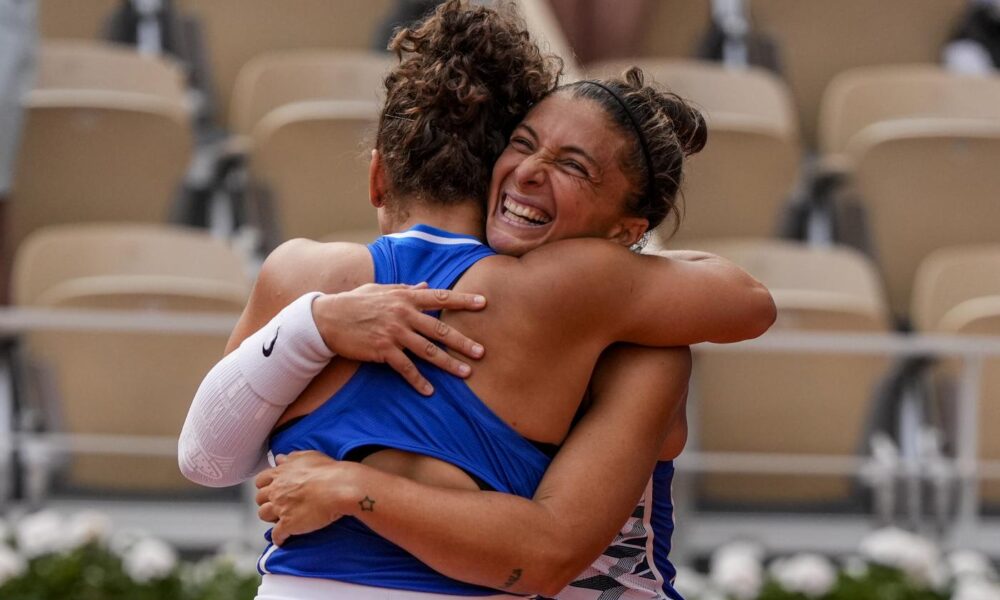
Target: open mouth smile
521, 214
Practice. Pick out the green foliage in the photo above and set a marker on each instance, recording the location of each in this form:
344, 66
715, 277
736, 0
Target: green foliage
92, 572
876, 583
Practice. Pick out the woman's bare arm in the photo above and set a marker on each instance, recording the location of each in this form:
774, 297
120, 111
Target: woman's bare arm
679, 299
479, 537
223, 440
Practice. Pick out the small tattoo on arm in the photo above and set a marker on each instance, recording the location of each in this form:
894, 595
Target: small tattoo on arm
514, 576
367, 505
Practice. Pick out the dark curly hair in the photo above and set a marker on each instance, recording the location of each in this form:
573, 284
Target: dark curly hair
466, 78
671, 128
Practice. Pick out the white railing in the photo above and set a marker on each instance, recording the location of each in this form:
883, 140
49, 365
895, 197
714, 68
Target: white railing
967, 467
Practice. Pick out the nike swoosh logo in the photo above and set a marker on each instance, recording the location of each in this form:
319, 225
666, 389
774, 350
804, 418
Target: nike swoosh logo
269, 349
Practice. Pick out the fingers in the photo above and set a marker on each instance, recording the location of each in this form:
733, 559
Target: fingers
280, 459
267, 513
434, 329
428, 351
398, 360
278, 534
427, 299
264, 479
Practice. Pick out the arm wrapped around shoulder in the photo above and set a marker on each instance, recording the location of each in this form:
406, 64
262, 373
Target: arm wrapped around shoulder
224, 439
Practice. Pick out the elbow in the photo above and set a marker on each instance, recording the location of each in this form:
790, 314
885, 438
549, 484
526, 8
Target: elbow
556, 566
756, 314
764, 313
196, 468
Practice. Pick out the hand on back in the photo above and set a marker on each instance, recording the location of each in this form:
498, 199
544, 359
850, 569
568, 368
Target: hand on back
379, 323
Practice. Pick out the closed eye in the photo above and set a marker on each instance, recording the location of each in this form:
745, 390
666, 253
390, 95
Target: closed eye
521, 143
572, 164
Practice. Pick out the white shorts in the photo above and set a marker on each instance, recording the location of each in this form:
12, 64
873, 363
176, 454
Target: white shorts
288, 587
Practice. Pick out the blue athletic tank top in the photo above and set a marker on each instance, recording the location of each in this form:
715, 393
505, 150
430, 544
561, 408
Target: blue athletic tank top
376, 407
636, 566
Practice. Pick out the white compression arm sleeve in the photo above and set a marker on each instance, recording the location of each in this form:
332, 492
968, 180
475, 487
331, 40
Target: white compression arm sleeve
224, 440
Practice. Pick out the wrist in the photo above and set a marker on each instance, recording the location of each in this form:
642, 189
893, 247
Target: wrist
348, 485
324, 312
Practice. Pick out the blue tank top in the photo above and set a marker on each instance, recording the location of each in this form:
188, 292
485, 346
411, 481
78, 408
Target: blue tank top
376, 407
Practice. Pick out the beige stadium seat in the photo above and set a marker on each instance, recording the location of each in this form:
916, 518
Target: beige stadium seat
739, 183
674, 28
786, 402
91, 155
957, 291
925, 184
279, 78
312, 158
236, 31
861, 97
819, 39
126, 383
94, 65
76, 19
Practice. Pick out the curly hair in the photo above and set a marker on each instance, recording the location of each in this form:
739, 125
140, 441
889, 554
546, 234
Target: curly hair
670, 128
466, 78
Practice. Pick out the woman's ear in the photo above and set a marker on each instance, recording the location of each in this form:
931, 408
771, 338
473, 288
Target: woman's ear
376, 181
628, 230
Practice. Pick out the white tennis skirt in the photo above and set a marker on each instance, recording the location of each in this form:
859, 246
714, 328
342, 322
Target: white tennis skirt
289, 587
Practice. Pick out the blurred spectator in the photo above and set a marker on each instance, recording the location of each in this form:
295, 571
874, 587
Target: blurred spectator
601, 30
156, 27
730, 39
18, 35
974, 47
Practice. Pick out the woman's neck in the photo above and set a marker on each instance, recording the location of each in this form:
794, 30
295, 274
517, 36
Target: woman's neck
462, 217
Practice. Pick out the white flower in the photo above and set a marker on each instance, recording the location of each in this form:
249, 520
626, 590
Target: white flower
41, 533
736, 570
918, 557
808, 574
149, 559
690, 584
968, 563
242, 558
855, 566
12, 564
86, 527
976, 588
121, 542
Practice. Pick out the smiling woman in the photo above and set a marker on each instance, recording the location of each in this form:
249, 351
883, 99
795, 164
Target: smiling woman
586, 162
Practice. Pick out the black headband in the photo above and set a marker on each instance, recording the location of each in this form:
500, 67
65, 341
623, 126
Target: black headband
651, 181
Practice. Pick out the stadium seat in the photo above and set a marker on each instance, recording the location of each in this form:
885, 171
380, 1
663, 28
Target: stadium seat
861, 97
126, 383
746, 402
90, 155
957, 291
925, 184
674, 28
819, 39
312, 160
238, 30
737, 185
94, 65
79, 19
278, 78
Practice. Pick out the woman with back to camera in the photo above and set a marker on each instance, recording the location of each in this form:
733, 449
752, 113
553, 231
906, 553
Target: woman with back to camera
565, 312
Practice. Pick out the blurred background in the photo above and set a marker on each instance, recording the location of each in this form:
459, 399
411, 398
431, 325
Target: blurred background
153, 151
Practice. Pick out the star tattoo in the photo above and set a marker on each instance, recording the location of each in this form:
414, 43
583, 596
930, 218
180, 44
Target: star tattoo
367, 505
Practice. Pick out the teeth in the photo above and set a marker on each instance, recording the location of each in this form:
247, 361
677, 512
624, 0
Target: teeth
526, 214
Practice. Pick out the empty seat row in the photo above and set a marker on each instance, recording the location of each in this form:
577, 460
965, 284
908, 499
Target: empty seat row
125, 383
825, 403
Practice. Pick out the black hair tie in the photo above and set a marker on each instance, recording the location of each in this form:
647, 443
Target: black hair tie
650, 181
